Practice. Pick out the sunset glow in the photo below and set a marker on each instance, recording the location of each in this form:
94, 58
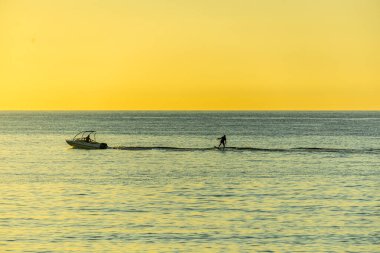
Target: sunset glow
190, 55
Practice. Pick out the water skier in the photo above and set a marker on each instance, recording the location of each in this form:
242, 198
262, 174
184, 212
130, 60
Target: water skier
223, 141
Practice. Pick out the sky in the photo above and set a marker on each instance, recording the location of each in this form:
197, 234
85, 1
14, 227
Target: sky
190, 55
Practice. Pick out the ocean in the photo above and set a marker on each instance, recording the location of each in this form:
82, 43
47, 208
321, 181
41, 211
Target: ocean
287, 182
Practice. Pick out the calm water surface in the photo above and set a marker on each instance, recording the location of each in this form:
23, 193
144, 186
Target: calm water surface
290, 182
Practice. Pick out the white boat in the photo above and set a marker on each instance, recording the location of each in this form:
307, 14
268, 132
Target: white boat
86, 140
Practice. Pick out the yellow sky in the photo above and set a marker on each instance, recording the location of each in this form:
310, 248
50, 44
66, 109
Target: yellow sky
190, 54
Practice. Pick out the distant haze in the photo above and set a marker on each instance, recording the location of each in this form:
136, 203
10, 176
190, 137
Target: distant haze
190, 55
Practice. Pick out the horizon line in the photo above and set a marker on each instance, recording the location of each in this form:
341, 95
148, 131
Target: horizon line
191, 110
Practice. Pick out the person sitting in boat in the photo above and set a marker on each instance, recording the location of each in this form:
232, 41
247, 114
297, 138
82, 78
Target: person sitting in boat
223, 141
87, 139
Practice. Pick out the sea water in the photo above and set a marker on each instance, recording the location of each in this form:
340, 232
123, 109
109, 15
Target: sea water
287, 182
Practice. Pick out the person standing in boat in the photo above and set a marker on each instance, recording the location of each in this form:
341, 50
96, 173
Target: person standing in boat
87, 139
223, 141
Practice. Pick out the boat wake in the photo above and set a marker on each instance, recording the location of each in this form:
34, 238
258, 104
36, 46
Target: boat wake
252, 149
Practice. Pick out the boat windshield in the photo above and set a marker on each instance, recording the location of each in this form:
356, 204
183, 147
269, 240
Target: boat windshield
88, 136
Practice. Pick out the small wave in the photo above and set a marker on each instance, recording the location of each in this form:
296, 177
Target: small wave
339, 150
253, 149
163, 148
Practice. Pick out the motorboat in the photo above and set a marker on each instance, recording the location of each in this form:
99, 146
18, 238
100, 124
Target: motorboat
86, 140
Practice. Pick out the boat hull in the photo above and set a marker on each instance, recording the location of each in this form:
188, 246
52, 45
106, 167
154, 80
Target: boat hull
86, 145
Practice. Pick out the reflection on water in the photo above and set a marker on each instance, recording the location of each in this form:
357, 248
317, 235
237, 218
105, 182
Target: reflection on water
57, 199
